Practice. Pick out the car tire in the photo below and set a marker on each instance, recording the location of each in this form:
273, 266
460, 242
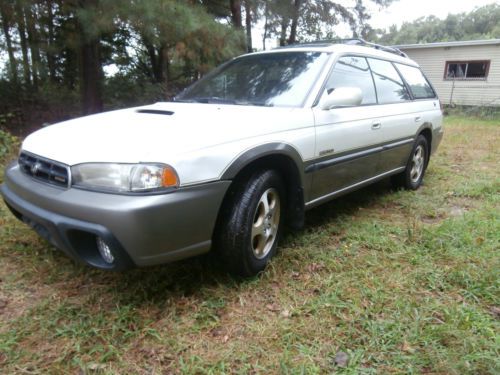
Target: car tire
251, 223
411, 178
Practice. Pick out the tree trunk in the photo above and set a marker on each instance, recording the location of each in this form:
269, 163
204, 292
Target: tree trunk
6, 19
36, 67
91, 77
295, 20
160, 65
71, 66
24, 45
266, 26
156, 61
152, 60
236, 13
51, 63
248, 25
166, 64
91, 74
284, 27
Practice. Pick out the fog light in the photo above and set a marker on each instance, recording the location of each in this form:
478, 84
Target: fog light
105, 250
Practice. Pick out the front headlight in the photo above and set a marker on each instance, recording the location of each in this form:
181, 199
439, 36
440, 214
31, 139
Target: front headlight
124, 178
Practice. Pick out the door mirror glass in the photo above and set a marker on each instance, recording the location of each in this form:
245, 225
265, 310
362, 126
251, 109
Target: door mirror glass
342, 97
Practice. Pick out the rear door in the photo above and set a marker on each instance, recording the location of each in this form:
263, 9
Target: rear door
425, 106
398, 115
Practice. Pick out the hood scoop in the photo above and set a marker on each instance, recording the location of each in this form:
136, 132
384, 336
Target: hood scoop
155, 112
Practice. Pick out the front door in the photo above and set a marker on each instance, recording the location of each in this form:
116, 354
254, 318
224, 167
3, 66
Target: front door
346, 138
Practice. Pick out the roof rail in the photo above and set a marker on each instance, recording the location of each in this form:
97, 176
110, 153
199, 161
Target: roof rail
362, 42
353, 41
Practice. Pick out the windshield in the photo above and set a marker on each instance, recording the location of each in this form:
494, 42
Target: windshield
274, 79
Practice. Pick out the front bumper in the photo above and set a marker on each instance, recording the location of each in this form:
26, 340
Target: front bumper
142, 230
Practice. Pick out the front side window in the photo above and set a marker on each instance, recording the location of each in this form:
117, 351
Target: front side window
419, 86
274, 79
353, 71
467, 70
390, 88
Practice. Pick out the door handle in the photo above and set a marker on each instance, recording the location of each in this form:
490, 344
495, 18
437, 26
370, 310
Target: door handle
376, 125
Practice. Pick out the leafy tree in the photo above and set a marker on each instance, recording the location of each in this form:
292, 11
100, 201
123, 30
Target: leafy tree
170, 31
481, 23
301, 20
57, 48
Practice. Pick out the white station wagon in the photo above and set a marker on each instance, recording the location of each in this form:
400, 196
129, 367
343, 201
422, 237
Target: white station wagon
235, 157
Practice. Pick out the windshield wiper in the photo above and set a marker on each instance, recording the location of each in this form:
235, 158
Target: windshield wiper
210, 99
219, 100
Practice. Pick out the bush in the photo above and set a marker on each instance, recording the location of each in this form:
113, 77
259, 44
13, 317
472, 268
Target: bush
9, 145
481, 112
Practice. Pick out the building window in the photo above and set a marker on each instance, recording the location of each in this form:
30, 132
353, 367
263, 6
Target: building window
467, 70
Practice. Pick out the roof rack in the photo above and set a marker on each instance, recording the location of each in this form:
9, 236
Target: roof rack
353, 41
362, 42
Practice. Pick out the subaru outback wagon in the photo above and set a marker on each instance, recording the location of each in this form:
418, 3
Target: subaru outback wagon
235, 157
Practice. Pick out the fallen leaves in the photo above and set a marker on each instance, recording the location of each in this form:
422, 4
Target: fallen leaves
286, 313
406, 347
273, 307
495, 311
341, 359
3, 304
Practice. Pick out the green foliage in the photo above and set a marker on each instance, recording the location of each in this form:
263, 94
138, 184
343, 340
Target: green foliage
125, 90
162, 45
482, 23
8, 143
175, 35
477, 112
316, 19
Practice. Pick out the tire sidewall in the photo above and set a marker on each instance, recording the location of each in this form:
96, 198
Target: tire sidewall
242, 218
413, 185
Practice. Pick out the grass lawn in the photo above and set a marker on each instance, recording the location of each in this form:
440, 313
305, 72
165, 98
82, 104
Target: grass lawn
401, 282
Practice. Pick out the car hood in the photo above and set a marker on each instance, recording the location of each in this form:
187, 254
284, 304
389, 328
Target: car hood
153, 133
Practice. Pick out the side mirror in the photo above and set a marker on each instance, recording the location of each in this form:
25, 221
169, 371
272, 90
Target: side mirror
342, 97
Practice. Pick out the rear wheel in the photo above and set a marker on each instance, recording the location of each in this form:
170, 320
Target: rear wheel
411, 178
251, 224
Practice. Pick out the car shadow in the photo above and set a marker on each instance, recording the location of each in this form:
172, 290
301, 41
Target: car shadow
189, 277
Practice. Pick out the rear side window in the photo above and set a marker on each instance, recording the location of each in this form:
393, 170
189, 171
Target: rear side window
390, 87
419, 86
353, 71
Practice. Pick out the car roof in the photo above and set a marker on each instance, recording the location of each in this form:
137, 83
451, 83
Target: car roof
369, 50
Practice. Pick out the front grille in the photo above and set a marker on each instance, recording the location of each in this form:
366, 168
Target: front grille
44, 169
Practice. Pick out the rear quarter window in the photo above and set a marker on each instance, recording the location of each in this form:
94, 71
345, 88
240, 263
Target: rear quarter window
419, 86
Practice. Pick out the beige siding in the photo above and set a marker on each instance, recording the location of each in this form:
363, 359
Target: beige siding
433, 60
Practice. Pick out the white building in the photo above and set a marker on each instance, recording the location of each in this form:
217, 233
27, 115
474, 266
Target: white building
463, 73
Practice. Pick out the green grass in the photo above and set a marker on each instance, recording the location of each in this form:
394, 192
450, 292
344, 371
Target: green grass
403, 282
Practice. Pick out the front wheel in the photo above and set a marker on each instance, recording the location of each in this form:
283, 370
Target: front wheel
251, 224
411, 178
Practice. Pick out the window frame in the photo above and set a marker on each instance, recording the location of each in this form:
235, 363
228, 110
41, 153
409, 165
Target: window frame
448, 62
336, 57
332, 70
408, 87
405, 84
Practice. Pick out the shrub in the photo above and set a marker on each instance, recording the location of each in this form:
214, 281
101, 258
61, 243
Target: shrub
9, 145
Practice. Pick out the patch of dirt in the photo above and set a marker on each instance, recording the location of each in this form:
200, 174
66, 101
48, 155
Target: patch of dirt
433, 219
15, 302
456, 211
